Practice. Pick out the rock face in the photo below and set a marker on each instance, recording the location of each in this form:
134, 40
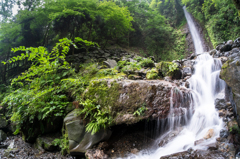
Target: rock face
124, 97
80, 140
230, 73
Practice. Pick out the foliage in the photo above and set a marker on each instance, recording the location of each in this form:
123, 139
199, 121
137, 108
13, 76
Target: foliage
146, 62
140, 111
98, 118
38, 92
167, 68
152, 74
219, 17
62, 143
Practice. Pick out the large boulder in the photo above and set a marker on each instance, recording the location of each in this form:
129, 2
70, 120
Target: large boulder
230, 73
110, 63
80, 140
125, 97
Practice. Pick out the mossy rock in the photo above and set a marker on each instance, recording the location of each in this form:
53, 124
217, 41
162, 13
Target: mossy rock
3, 121
167, 68
152, 74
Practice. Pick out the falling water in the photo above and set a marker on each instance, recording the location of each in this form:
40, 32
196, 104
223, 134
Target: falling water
205, 86
195, 34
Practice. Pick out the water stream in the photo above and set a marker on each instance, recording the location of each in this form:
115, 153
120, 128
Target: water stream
205, 86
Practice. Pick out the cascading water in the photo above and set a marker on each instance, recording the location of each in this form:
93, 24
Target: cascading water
195, 34
205, 86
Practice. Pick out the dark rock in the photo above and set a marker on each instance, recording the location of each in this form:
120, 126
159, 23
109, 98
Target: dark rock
236, 43
224, 133
226, 47
46, 143
3, 135
3, 121
37, 128
220, 104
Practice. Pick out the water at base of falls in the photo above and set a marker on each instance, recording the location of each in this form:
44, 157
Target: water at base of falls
205, 86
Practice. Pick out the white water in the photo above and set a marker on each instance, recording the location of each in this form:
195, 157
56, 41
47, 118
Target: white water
195, 34
205, 86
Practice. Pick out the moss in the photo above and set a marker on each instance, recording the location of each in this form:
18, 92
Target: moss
152, 74
132, 77
147, 63
106, 94
167, 68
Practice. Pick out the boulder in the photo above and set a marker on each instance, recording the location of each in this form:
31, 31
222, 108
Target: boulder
236, 43
125, 97
220, 104
80, 140
3, 136
230, 73
110, 63
46, 143
224, 133
209, 134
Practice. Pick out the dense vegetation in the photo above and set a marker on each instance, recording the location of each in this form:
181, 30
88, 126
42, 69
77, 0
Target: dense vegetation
138, 25
220, 18
37, 82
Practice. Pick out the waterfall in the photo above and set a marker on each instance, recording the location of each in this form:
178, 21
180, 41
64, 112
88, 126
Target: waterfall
195, 34
205, 86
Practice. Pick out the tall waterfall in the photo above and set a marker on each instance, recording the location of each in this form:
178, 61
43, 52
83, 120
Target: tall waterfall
205, 86
195, 34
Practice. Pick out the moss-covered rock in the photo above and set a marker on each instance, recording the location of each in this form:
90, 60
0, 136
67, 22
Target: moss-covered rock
167, 68
46, 143
3, 121
230, 73
152, 74
122, 98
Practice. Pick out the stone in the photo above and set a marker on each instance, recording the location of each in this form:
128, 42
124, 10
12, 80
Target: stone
3, 136
236, 43
3, 121
80, 140
197, 142
134, 151
224, 133
96, 154
235, 50
212, 52
212, 146
186, 71
46, 143
230, 73
220, 104
110, 63
209, 134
